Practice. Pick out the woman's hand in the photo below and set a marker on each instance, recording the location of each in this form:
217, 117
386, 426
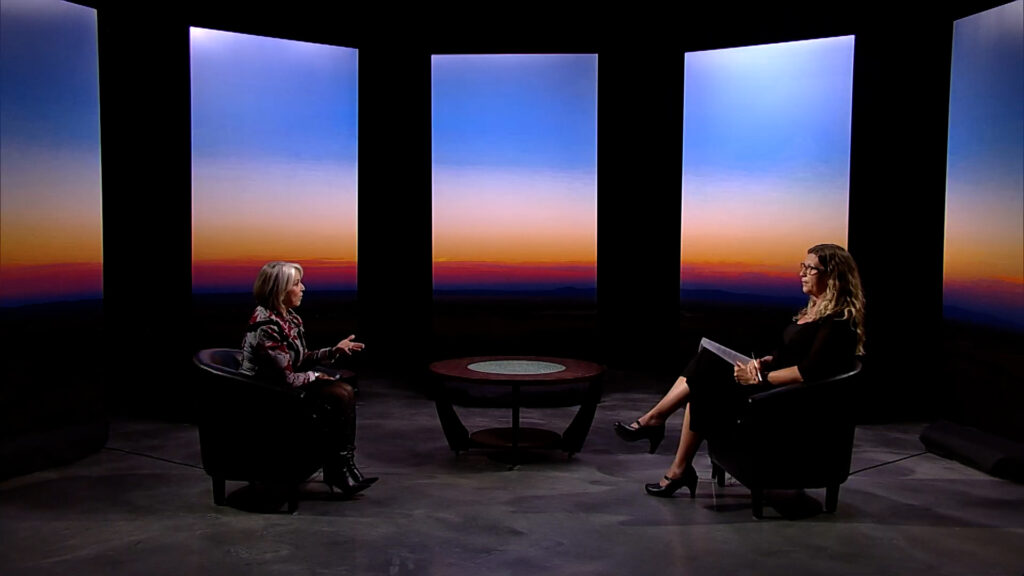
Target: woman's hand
749, 373
348, 345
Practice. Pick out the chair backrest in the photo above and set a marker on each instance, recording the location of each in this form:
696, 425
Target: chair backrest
223, 385
223, 362
249, 429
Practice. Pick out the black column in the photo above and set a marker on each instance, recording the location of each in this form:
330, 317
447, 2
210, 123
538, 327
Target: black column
145, 149
395, 282
897, 205
640, 122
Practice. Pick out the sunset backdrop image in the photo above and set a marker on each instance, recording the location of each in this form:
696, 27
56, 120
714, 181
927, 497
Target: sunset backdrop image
274, 160
984, 250
51, 228
514, 172
766, 165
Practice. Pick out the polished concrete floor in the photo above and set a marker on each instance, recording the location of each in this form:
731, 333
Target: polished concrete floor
143, 505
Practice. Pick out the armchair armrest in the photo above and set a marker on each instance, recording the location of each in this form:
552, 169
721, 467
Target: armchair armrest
797, 405
800, 388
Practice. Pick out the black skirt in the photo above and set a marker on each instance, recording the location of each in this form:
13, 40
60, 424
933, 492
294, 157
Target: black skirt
715, 397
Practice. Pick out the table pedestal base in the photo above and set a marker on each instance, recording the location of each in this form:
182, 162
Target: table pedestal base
527, 438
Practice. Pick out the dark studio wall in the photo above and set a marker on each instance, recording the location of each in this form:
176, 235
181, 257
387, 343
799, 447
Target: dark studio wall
900, 105
898, 152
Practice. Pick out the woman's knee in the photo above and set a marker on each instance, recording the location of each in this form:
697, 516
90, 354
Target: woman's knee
341, 392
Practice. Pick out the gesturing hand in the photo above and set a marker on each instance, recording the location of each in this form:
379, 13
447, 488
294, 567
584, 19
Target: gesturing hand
348, 345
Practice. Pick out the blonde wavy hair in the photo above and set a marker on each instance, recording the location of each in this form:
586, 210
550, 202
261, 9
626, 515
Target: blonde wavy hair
274, 279
844, 295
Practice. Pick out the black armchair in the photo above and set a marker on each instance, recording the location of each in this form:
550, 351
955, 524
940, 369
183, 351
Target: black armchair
793, 437
251, 431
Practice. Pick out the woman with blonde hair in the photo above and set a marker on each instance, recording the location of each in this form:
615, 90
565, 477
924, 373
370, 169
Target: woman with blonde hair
274, 349
823, 340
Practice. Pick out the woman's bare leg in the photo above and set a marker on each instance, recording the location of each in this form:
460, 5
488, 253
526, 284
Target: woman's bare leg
671, 402
689, 443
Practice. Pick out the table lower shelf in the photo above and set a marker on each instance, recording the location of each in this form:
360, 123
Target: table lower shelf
527, 439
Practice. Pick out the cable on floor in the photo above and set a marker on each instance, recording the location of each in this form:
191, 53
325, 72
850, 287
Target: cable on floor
144, 455
887, 463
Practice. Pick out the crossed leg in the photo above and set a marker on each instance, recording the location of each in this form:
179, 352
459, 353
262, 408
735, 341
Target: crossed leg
672, 401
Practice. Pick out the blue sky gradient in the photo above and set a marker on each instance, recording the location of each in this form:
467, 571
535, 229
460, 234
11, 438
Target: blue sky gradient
49, 82
259, 97
508, 110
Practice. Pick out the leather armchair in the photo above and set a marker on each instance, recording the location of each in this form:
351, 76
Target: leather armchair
251, 431
793, 437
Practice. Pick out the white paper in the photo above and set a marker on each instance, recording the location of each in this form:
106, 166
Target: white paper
730, 356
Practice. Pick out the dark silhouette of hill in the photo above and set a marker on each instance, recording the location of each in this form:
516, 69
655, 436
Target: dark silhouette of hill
982, 319
565, 292
724, 296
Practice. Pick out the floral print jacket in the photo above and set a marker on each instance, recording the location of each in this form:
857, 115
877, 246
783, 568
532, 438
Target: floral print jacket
274, 349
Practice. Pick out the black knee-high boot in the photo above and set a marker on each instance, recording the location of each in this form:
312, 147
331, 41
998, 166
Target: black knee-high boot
348, 459
338, 474
339, 417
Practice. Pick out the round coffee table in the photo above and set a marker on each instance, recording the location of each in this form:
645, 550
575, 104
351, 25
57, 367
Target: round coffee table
516, 382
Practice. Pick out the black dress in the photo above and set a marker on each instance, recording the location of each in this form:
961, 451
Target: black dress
820, 349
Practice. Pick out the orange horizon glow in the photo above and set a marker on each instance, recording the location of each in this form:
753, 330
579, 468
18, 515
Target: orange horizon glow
995, 283
52, 208
324, 273
515, 247
743, 222
733, 270
254, 207
991, 250
514, 215
448, 273
54, 281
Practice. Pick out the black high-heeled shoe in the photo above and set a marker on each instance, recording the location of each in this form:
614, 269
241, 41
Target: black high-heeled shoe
688, 479
630, 434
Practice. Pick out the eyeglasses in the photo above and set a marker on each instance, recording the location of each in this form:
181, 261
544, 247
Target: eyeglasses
809, 270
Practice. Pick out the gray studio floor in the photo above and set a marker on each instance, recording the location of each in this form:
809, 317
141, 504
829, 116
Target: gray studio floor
142, 505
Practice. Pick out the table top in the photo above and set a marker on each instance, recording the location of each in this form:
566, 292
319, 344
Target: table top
517, 369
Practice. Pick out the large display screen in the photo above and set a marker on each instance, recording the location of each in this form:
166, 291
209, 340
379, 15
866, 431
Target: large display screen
766, 165
51, 228
984, 251
514, 172
274, 157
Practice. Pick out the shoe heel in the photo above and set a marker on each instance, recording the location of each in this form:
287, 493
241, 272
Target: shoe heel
655, 442
690, 481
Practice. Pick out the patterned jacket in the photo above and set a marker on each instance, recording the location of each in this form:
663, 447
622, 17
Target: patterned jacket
274, 349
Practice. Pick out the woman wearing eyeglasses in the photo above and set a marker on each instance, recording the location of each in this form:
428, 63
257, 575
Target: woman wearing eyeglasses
822, 341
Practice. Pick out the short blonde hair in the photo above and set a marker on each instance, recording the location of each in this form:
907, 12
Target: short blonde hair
274, 279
